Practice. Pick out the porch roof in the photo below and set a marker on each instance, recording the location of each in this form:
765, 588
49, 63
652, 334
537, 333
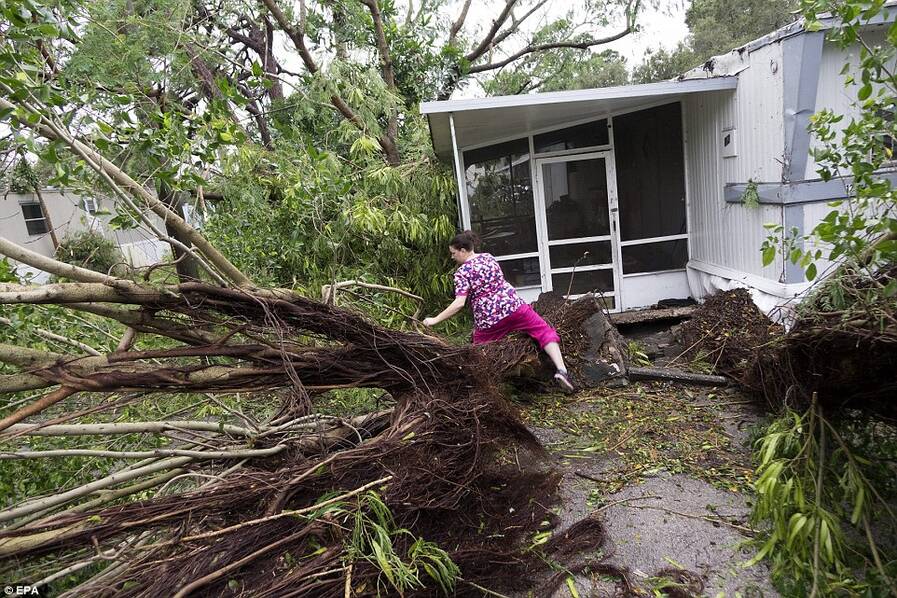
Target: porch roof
483, 120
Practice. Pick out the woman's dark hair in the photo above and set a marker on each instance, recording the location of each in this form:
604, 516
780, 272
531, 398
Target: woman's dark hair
468, 240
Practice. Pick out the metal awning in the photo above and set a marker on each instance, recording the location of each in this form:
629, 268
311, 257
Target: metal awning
483, 120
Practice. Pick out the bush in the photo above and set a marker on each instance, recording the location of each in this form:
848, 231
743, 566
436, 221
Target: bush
91, 250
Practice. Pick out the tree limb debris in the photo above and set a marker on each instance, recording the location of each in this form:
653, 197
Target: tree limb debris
644, 373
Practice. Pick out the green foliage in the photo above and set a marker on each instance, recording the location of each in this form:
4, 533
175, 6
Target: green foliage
7, 271
559, 70
305, 218
717, 26
750, 197
662, 65
23, 178
89, 249
815, 480
377, 540
348, 402
636, 354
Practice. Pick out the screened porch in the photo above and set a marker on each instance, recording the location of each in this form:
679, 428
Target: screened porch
590, 204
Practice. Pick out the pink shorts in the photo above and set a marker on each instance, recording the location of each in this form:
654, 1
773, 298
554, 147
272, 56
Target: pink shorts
525, 319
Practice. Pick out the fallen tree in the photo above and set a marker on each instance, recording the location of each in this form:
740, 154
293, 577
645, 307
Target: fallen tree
418, 497
295, 488
291, 499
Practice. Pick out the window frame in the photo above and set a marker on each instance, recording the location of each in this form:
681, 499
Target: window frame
28, 221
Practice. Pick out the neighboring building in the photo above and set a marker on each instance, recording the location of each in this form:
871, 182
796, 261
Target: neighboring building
639, 188
23, 222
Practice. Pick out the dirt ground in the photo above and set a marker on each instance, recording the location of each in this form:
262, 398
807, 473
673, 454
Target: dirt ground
668, 468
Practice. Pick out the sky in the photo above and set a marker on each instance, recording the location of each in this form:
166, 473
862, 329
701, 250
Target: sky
659, 28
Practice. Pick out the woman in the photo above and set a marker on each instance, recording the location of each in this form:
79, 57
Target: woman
497, 309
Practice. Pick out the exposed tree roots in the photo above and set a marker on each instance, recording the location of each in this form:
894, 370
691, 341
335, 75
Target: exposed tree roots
287, 523
842, 347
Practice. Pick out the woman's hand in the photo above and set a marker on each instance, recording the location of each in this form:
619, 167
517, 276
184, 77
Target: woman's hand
453, 308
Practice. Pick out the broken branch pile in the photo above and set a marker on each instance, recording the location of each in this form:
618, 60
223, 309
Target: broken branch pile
727, 331
842, 346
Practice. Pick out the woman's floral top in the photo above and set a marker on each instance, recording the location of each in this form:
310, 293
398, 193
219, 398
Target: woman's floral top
491, 297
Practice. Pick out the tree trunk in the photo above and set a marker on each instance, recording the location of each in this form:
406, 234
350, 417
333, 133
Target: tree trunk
187, 268
43, 207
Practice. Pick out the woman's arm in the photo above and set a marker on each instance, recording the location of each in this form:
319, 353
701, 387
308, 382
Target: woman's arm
453, 308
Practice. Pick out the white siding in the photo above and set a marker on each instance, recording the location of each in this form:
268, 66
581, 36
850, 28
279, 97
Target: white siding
813, 215
831, 92
730, 235
756, 113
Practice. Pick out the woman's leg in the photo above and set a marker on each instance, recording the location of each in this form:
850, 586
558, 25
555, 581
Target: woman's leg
554, 353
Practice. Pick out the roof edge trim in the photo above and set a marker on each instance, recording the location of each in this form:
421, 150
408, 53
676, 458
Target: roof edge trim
583, 95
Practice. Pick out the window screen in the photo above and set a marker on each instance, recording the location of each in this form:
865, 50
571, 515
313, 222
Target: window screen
654, 257
585, 135
522, 273
500, 194
583, 282
650, 172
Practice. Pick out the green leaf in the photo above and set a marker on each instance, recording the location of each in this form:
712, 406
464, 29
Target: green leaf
858, 506
767, 547
797, 522
769, 254
811, 272
865, 92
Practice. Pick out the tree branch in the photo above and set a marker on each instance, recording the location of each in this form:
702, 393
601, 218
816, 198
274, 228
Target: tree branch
52, 336
233, 454
21, 382
548, 46
64, 497
515, 23
298, 39
37, 406
46, 129
156, 427
487, 42
79, 292
459, 22
51, 266
388, 140
25, 357
142, 320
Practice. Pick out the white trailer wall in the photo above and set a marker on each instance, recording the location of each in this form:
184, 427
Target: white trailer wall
726, 238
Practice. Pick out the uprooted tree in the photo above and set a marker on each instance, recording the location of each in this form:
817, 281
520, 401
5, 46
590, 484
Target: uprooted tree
324, 503
262, 495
